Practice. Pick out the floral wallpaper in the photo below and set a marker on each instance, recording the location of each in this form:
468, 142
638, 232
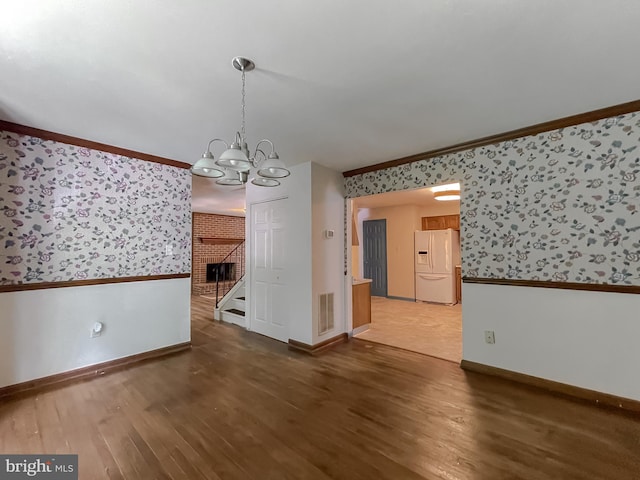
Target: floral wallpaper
71, 213
559, 206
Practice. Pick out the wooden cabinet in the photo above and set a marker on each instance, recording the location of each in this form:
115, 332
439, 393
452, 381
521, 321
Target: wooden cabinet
433, 223
452, 221
458, 284
441, 222
361, 298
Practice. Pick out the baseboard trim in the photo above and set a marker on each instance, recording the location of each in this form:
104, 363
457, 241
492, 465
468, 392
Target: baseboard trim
404, 299
360, 329
318, 347
91, 371
558, 388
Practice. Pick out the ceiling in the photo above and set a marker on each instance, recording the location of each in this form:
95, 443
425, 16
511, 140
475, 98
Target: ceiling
421, 197
343, 84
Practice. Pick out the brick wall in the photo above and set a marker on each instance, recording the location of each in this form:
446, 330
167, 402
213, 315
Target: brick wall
211, 226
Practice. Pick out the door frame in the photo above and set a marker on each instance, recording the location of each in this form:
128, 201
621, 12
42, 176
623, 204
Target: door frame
348, 271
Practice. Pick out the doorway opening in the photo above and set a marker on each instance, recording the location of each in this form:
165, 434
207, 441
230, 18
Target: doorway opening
421, 310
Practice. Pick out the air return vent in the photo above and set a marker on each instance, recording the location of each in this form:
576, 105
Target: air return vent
325, 318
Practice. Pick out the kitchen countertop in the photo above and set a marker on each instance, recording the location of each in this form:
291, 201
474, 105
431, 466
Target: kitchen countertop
360, 281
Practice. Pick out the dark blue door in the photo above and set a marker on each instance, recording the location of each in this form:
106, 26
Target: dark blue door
374, 255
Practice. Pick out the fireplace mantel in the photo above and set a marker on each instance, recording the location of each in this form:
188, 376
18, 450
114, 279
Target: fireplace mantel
220, 241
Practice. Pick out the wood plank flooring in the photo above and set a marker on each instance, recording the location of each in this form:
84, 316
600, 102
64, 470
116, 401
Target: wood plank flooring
242, 406
427, 328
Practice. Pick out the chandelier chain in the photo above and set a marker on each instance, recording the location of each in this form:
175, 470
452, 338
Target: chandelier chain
242, 128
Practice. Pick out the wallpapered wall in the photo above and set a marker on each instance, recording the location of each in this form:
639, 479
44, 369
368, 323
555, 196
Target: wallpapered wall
71, 213
559, 206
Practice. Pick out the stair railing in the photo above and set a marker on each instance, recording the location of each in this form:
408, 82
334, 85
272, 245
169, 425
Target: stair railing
235, 256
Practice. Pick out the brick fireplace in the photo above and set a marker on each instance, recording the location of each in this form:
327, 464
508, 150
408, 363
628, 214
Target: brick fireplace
223, 272
227, 232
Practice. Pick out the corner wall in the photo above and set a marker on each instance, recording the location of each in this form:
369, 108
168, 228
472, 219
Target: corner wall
328, 213
315, 203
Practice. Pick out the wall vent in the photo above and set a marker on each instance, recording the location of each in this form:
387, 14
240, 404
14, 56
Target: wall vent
325, 318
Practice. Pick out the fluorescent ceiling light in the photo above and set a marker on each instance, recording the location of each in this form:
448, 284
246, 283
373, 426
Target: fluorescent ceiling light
447, 195
442, 188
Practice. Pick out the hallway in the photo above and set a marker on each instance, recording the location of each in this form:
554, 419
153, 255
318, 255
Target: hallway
426, 328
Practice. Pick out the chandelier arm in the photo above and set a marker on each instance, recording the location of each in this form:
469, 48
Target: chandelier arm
216, 140
255, 161
264, 140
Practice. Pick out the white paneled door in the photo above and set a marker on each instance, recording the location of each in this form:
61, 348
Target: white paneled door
268, 307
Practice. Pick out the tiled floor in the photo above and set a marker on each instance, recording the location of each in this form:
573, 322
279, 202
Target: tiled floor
427, 328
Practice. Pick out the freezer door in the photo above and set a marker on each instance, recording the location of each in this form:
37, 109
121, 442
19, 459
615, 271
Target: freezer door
431, 287
441, 253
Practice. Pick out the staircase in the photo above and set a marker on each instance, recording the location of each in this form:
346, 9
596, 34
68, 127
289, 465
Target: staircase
231, 308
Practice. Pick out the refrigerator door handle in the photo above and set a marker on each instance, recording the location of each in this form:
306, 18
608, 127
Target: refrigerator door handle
431, 249
432, 277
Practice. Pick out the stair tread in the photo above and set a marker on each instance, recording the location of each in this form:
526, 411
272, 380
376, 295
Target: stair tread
235, 311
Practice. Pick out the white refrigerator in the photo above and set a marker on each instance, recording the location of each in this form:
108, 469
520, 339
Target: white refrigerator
437, 252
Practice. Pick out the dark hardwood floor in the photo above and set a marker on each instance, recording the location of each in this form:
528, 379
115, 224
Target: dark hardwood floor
242, 406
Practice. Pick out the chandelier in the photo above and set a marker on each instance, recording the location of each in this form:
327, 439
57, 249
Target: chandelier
235, 163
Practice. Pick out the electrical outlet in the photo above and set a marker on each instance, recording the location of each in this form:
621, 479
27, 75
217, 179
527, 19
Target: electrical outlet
96, 331
168, 249
489, 337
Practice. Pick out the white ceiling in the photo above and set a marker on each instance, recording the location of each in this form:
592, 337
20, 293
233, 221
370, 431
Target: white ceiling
421, 197
344, 84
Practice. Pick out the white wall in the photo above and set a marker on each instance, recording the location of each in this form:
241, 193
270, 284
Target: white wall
45, 332
587, 339
439, 208
328, 261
